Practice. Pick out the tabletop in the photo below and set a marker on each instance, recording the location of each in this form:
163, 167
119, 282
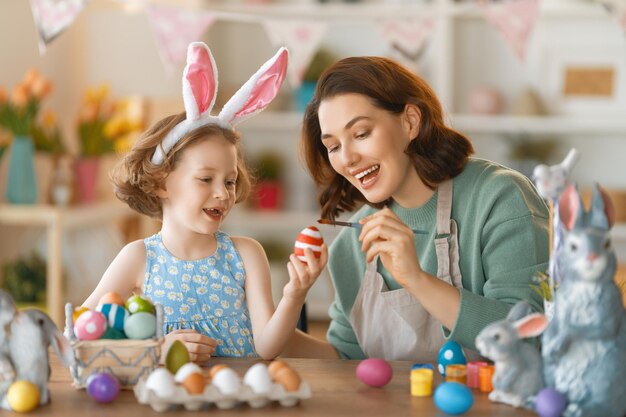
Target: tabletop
336, 392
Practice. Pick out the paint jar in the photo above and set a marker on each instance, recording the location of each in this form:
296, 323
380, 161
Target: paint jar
485, 375
472, 373
421, 382
456, 373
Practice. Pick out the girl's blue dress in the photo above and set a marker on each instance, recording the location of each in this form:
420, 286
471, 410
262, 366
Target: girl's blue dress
206, 295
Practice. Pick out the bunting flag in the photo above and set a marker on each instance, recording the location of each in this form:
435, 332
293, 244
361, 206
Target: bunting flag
302, 38
407, 39
618, 9
514, 20
175, 29
52, 17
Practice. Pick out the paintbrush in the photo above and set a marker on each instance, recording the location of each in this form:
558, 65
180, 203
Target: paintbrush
359, 225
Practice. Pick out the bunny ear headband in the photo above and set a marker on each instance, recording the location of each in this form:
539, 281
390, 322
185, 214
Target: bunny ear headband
200, 90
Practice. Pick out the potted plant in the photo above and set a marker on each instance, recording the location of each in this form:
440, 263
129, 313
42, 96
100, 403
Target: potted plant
304, 93
268, 190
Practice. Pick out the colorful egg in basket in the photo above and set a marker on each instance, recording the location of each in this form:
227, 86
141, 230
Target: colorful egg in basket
128, 360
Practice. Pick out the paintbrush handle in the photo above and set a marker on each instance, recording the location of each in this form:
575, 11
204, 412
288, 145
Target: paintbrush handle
359, 226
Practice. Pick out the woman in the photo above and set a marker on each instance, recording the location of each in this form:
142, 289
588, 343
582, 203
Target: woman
374, 133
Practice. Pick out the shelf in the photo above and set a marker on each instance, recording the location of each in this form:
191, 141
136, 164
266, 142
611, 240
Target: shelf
565, 125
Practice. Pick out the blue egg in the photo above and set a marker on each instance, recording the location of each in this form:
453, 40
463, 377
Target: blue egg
450, 353
453, 398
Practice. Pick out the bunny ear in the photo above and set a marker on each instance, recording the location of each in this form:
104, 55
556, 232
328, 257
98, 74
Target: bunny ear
199, 81
519, 310
570, 207
531, 326
258, 92
602, 210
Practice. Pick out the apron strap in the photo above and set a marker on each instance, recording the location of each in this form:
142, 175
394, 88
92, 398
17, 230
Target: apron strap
444, 209
444, 240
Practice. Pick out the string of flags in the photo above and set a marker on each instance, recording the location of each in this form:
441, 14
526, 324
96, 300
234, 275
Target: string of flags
175, 27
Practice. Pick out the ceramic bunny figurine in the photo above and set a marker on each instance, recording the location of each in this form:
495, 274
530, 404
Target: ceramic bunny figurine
7, 372
552, 180
519, 374
32, 332
584, 346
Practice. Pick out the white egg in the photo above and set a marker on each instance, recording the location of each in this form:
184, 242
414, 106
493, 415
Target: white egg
161, 382
227, 381
258, 379
186, 370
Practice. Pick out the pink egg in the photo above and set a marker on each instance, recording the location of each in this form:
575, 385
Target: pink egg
374, 372
310, 237
90, 325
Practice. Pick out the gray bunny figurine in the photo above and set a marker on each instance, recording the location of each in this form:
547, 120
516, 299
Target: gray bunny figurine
584, 346
32, 332
7, 372
519, 371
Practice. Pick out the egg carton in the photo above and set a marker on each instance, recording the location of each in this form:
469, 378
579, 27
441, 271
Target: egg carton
127, 359
212, 396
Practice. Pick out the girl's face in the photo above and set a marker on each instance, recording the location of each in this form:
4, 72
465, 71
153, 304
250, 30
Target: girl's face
200, 191
366, 145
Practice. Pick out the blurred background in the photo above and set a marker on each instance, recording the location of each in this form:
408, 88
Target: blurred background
527, 80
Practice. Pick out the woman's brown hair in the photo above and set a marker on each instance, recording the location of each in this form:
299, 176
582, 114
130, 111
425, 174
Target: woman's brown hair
438, 152
136, 179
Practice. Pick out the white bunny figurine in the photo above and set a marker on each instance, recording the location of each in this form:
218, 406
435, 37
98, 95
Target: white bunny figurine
552, 180
519, 371
32, 332
7, 311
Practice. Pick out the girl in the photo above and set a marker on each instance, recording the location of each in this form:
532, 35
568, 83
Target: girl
374, 133
187, 171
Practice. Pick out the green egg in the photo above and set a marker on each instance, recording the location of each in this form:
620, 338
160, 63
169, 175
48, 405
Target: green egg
177, 356
113, 333
140, 326
139, 304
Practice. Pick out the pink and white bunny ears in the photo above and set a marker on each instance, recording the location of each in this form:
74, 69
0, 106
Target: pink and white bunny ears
200, 90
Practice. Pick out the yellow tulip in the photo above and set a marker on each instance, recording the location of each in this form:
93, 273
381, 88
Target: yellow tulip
49, 118
88, 112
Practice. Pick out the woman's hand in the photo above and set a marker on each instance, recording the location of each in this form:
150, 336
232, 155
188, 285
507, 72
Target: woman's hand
385, 235
199, 346
303, 275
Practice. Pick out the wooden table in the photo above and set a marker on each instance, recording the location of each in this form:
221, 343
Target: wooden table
336, 392
58, 220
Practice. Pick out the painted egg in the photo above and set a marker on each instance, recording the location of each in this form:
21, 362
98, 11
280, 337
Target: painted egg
90, 325
450, 353
310, 237
23, 396
550, 403
161, 382
112, 298
177, 356
258, 378
77, 312
113, 334
453, 398
374, 372
227, 381
103, 387
140, 326
186, 370
116, 314
139, 304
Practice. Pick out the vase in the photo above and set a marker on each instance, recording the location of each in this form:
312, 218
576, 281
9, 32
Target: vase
86, 171
268, 195
21, 185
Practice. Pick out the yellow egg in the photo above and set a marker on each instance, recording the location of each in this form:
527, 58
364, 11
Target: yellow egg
78, 311
23, 396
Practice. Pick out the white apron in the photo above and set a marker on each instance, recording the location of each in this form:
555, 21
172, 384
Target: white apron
392, 324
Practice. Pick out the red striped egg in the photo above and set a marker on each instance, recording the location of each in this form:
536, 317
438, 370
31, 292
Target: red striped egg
310, 237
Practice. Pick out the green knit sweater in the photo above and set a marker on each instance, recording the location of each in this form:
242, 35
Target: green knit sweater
503, 241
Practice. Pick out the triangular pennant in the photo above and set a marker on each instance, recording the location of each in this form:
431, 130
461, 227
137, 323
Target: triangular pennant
514, 20
53, 16
407, 39
302, 38
618, 9
175, 29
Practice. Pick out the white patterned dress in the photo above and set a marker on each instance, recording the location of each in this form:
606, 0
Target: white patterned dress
206, 295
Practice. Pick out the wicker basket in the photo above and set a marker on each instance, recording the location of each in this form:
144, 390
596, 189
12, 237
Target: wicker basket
127, 359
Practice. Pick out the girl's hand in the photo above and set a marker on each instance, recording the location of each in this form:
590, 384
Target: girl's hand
385, 235
200, 346
302, 276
